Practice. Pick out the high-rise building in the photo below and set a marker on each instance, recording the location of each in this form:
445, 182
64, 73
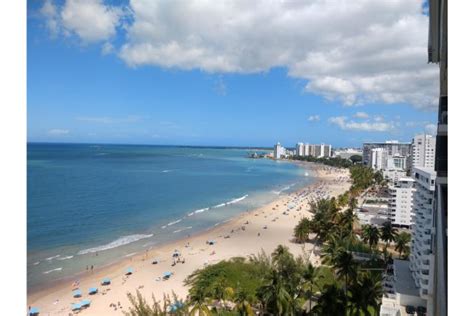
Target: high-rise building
279, 151
438, 53
401, 202
378, 158
392, 148
306, 150
421, 255
423, 151
300, 149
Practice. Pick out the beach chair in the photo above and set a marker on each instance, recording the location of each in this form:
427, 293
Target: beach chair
34, 311
76, 293
93, 290
105, 281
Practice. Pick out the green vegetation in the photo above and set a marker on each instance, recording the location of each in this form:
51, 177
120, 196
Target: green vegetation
348, 283
333, 162
355, 159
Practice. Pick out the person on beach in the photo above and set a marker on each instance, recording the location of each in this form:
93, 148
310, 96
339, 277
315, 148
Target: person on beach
92, 268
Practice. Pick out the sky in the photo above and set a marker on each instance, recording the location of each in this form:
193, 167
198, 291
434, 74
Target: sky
229, 73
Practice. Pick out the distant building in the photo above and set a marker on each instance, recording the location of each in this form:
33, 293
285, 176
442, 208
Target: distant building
279, 151
401, 202
378, 158
421, 255
347, 153
423, 148
392, 148
313, 150
299, 149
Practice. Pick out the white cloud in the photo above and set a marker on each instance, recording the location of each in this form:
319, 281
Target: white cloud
361, 115
58, 132
107, 48
367, 126
431, 129
314, 118
110, 120
354, 51
357, 52
91, 20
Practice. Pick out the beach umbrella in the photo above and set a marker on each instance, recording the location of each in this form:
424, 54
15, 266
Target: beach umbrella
85, 303
34, 311
77, 293
93, 290
105, 281
211, 242
76, 307
176, 254
129, 271
167, 274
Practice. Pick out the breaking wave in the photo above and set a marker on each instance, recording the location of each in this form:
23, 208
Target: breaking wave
116, 243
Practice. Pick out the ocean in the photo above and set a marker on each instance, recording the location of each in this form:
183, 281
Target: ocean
94, 204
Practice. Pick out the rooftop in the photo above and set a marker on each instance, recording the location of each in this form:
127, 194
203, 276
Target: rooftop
404, 282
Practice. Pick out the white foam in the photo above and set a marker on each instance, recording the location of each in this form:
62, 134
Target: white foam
36, 263
53, 257
49, 271
167, 170
116, 243
201, 210
130, 254
237, 199
65, 258
175, 222
182, 229
219, 205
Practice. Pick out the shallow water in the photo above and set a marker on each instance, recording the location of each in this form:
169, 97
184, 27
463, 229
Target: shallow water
92, 204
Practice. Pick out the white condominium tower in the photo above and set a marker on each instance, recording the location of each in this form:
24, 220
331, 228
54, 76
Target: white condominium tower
421, 256
313, 150
423, 148
378, 158
401, 202
278, 151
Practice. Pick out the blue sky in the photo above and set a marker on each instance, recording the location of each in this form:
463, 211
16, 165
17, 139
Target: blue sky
103, 84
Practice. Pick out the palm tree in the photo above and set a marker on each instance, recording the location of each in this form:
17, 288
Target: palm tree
387, 232
346, 267
401, 243
310, 277
242, 301
370, 235
332, 302
199, 304
274, 296
302, 230
330, 250
366, 292
353, 203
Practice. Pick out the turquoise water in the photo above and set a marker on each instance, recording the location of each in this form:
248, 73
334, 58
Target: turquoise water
92, 204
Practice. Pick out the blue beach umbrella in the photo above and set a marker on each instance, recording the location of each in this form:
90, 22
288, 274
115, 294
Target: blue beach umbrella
34, 311
167, 274
76, 307
77, 293
85, 303
93, 290
105, 281
129, 271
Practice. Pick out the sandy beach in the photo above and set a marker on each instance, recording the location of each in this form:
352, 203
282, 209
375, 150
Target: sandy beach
249, 233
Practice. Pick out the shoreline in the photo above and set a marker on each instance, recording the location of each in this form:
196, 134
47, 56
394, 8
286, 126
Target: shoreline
244, 231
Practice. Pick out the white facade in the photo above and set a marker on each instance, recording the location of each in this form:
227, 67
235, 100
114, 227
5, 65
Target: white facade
423, 149
300, 149
421, 255
279, 151
347, 153
401, 202
313, 150
378, 158
393, 175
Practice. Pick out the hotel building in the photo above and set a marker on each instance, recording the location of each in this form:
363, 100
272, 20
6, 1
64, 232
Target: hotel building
401, 202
